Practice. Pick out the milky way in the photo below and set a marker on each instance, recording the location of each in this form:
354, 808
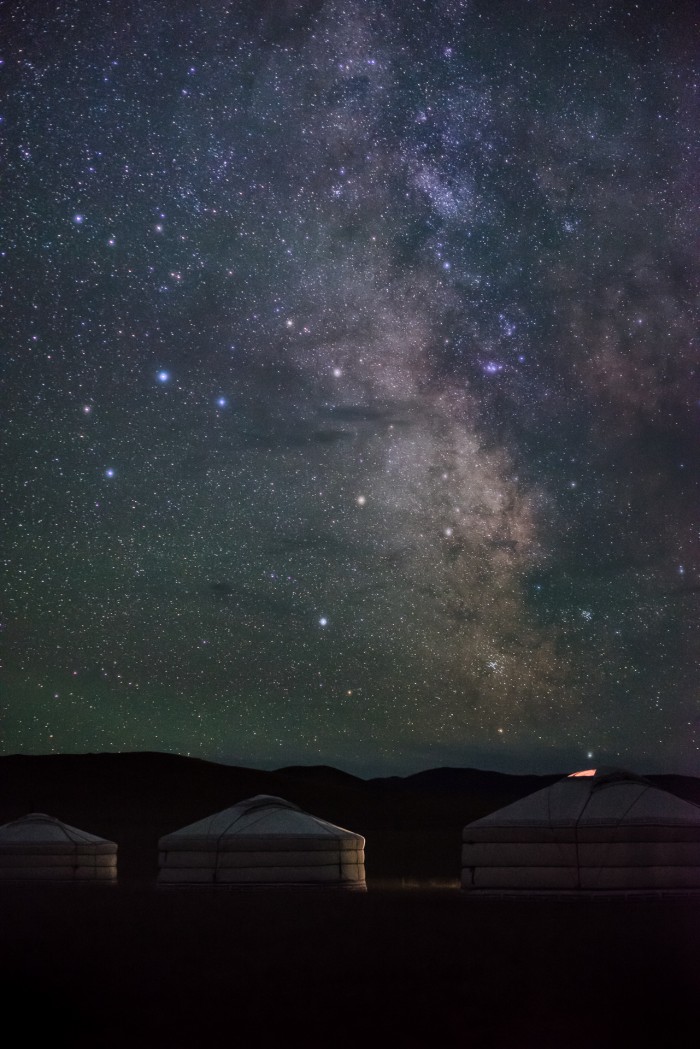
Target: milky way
352, 383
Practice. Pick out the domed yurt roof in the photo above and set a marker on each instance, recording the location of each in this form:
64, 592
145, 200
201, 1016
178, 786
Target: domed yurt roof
602, 797
261, 818
46, 832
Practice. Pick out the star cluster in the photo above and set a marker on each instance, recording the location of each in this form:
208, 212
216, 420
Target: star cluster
352, 373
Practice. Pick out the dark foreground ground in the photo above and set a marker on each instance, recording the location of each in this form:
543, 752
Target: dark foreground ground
136, 966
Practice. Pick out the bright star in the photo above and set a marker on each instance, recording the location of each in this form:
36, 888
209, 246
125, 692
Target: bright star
163, 376
109, 472
323, 621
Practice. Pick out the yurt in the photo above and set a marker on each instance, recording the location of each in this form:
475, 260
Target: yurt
263, 841
38, 847
597, 830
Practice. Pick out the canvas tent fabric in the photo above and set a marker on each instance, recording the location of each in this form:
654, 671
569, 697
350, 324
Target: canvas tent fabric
263, 841
38, 847
607, 830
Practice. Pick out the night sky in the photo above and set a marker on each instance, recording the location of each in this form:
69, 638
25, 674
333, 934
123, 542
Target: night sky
351, 399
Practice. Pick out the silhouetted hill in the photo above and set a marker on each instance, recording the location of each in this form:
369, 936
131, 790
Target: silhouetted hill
322, 774
459, 779
412, 824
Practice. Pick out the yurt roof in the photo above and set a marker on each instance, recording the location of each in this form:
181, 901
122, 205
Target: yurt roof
263, 817
39, 829
600, 797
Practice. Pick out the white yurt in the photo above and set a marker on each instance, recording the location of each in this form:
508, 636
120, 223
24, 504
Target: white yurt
598, 830
38, 847
263, 841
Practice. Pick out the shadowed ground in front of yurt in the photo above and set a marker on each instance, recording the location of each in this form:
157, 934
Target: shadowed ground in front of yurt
178, 968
